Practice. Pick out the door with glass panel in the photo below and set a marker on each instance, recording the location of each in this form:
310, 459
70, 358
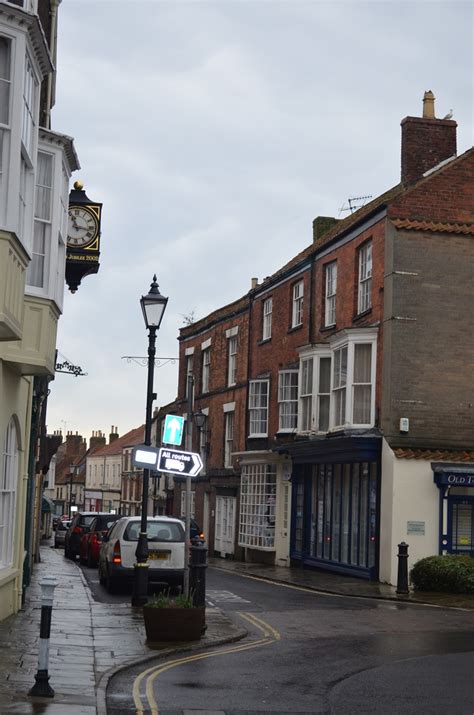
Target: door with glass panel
461, 525
225, 525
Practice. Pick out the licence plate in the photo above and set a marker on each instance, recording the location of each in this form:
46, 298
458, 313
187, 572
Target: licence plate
159, 555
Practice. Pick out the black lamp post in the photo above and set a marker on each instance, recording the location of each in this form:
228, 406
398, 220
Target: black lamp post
153, 307
72, 470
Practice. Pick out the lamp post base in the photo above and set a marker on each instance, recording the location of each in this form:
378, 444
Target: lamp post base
42, 688
140, 585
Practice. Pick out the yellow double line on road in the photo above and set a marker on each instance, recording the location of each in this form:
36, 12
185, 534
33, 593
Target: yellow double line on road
270, 635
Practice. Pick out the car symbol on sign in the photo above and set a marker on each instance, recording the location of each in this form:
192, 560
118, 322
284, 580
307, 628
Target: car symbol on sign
174, 464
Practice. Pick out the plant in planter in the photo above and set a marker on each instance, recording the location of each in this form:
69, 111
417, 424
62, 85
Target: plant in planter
172, 619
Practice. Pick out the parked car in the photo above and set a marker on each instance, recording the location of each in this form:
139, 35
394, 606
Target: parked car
60, 533
79, 526
91, 541
166, 541
196, 535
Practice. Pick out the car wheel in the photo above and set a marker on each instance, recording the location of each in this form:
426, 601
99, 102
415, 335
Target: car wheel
101, 576
110, 583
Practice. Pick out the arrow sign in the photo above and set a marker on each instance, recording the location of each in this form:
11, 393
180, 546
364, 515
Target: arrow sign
173, 430
189, 464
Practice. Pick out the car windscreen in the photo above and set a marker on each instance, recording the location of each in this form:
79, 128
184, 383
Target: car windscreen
104, 523
86, 520
157, 531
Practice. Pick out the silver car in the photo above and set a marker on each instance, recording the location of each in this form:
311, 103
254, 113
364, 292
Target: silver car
60, 533
166, 541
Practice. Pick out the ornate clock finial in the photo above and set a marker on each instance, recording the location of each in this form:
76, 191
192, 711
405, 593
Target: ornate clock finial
79, 185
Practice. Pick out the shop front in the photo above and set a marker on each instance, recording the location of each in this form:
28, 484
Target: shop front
336, 504
456, 520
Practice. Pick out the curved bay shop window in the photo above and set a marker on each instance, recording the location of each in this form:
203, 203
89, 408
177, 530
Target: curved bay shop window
257, 506
338, 528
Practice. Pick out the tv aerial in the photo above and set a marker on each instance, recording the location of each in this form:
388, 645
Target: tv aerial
353, 203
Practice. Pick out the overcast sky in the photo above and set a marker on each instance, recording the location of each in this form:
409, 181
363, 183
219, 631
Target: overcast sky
213, 133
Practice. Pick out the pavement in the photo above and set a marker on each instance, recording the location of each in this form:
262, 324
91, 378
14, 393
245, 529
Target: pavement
92, 641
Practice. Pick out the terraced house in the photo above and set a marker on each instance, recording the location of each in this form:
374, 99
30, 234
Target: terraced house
353, 406
36, 163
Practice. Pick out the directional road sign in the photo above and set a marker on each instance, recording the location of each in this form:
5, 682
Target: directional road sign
189, 464
173, 431
145, 457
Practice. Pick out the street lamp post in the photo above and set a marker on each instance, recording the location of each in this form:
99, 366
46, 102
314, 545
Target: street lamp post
72, 470
199, 418
153, 307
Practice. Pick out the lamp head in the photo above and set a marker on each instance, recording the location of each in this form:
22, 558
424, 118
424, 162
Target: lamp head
153, 306
199, 418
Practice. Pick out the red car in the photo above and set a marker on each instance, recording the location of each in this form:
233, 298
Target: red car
92, 540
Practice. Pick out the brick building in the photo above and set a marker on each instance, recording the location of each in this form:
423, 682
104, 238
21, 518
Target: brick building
353, 419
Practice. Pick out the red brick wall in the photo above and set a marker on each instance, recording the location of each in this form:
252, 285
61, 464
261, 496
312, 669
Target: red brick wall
425, 143
347, 257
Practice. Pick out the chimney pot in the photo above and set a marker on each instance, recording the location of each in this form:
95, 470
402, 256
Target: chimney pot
253, 283
429, 105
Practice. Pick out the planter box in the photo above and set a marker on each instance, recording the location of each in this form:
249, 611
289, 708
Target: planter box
173, 624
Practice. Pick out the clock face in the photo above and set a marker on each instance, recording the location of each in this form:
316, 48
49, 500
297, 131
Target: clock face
82, 226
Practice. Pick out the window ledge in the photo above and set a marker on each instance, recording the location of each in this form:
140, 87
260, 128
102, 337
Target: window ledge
294, 328
328, 328
361, 315
264, 341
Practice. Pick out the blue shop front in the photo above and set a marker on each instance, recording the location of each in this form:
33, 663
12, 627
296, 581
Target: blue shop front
456, 507
336, 503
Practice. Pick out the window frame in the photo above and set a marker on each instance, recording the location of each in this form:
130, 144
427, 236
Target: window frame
8, 494
349, 339
330, 291
229, 423
258, 501
253, 410
297, 304
292, 403
364, 283
205, 369
231, 360
267, 311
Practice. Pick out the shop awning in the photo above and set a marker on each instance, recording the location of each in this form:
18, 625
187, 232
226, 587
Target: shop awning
47, 505
336, 449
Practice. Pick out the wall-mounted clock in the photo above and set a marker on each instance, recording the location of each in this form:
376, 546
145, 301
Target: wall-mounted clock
83, 236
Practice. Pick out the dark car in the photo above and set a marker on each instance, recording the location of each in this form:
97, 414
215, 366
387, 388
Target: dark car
79, 526
196, 535
92, 539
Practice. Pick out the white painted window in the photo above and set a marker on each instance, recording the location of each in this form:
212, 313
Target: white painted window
323, 393
340, 385
365, 278
189, 373
257, 506
288, 400
297, 309
267, 319
8, 482
204, 443
258, 408
38, 269
228, 438
183, 504
330, 296
23, 195
5, 88
354, 374
206, 367
28, 124
232, 360
306, 394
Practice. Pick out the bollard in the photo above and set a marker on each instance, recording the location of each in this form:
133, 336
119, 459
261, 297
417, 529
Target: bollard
402, 577
41, 687
197, 578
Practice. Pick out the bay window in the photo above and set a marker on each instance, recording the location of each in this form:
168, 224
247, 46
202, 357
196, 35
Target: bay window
287, 400
258, 408
5, 84
38, 268
337, 382
257, 506
28, 124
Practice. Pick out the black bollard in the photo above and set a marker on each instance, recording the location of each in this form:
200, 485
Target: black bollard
42, 687
197, 578
402, 577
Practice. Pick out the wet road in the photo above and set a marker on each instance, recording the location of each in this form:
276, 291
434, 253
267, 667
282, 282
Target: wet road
312, 653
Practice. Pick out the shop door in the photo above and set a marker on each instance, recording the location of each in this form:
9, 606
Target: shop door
461, 525
225, 525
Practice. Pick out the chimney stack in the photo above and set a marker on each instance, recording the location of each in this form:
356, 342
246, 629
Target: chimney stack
113, 434
97, 440
321, 225
253, 283
426, 141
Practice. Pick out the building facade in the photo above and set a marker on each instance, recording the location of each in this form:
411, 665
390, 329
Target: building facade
35, 166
